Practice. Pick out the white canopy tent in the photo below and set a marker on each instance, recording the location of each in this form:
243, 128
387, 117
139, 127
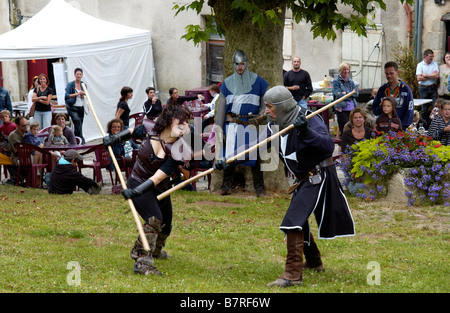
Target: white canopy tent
111, 56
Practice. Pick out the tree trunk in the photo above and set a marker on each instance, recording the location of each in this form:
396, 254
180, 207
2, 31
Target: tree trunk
263, 46
264, 50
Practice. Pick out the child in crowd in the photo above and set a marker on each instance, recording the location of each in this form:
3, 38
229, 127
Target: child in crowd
388, 120
417, 120
31, 137
57, 138
440, 125
7, 127
437, 108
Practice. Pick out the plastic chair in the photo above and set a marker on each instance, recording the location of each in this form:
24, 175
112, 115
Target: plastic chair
123, 166
44, 132
102, 160
138, 118
24, 152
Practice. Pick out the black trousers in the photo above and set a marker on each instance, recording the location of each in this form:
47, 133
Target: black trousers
427, 92
148, 205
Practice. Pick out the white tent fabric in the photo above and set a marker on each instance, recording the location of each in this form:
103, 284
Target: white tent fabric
111, 56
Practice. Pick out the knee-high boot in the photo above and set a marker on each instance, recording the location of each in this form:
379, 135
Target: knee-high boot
292, 274
143, 259
159, 253
312, 256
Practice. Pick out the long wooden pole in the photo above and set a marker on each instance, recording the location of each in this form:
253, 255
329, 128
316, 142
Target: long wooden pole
264, 142
119, 172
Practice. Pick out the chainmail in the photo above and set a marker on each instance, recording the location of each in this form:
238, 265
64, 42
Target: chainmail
286, 107
240, 84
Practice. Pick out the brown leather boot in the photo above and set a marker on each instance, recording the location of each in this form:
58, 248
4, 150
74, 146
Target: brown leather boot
292, 274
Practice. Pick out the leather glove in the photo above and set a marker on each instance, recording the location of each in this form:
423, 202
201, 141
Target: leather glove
221, 165
139, 190
113, 139
301, 124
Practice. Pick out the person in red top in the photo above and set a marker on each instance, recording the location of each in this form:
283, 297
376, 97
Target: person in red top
7, 127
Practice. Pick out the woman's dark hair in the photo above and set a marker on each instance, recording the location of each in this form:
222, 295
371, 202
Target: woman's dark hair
123, 93
172, 101
171, 90
148, 89
78, 70
168, 114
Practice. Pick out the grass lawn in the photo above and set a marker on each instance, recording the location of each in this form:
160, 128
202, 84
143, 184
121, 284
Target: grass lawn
219, 245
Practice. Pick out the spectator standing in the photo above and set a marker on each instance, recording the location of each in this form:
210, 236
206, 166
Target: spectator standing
427, 73
152, 107
298, 82
444, 76
342, 85
76, 102
42, 95
30, 111
5, 101
123, 110
400, 91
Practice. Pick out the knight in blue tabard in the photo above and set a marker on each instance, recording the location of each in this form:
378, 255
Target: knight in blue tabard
240, 104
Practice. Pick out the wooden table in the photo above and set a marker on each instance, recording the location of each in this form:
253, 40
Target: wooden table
67, 147
199, 111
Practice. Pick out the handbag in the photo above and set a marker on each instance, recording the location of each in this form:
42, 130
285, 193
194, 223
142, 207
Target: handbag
32, 108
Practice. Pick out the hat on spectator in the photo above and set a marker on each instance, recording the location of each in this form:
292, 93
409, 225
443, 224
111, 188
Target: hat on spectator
71, 154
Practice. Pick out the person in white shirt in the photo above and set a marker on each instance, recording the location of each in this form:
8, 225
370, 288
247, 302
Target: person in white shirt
214, 91
427, 73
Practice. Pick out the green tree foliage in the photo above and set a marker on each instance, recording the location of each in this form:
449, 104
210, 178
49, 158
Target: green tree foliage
325, 16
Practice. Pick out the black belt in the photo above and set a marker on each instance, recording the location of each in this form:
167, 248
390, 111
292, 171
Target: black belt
313, 171
427, 87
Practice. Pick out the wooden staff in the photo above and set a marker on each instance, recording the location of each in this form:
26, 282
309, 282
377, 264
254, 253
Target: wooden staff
119, 172
265, 141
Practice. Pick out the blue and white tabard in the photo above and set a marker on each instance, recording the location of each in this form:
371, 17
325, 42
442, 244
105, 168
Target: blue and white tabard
245, 104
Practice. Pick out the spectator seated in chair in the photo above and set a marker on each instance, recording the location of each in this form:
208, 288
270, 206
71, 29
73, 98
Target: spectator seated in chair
122, 150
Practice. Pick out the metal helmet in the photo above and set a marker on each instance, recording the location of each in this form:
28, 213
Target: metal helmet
239, 56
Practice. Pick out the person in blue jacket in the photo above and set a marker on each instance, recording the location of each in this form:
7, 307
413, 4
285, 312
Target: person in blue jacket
400, 91
5, 101
75, 102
